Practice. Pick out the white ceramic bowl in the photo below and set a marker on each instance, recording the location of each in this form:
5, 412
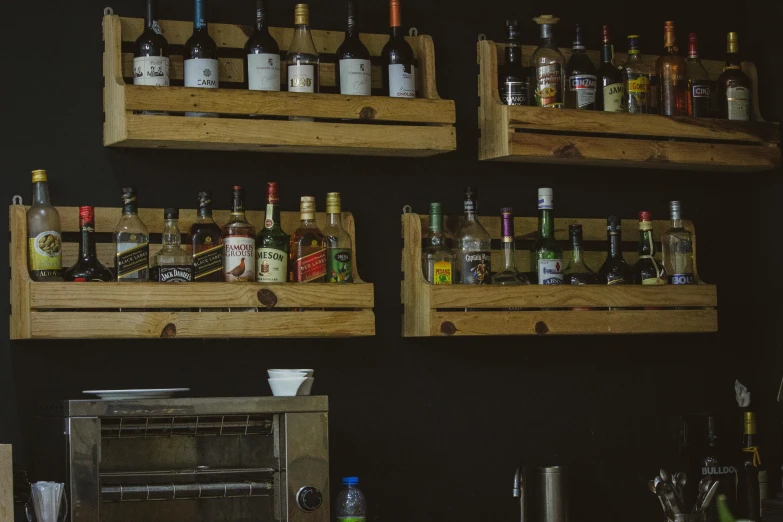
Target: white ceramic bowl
309, 372
306, 386
287, 387
282, 374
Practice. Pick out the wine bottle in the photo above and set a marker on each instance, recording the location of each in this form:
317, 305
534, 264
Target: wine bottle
399, 72
302, 58
748, 496
87, 268
262, 67
201, 64
151, 53
354, 72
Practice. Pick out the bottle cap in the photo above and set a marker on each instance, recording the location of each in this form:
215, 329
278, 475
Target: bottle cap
204, 199
750, 423
547, 23
271, 193
128, 195
302, 14
606, 34
80, 280
436, 218
86, 215
39, 176
333, 203
633, 43
645, 215
171, 213
668, 34
350, 481
435, 208
674, 209
205, 194
307, 207
732, 43
545, 199
395, 18
693, 50
513, 29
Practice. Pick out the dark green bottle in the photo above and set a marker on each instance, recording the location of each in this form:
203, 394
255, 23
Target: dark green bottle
546, 256
272, 243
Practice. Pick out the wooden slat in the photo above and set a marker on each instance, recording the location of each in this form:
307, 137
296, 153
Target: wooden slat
576, 322
20, 279
6, 484
125, 325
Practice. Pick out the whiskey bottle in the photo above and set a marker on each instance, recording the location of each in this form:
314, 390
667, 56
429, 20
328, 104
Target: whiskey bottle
610, 91
671, 71
548, 65
474, 246
272, 243
438, 261
581, 77
131, 242
577, 272
734, 87
700, 87
239, 243
514, 84
614, 271
87, 268
45, 257
647, 271
546, 256
677, 246
302, 58
339, 251
307, 256
172, 263
206, 243
636, 75
262, 66
509, 275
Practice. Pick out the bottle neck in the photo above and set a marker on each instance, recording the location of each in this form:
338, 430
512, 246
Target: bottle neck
130, 209
509, 255
308, 221
614, 245
272, 218
41, 193
676, 223
733, 60
436, 229
261, 17
334, 219
577, 252
149, 16
607, 54
170, 237
205, 213
646, 244
352, 27
634, 56
87, 242
513, 52
546, 225
395, 31
199, 16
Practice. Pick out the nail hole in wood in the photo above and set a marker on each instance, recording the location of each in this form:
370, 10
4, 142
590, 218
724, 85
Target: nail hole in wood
542, 328
367, 113
267, 298
169, 331
448, 328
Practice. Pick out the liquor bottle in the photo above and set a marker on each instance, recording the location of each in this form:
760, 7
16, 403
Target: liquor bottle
262, 66
700, 87
307, 255
302, 58
636, 75
474, 245
45, 256
546, 256
712, 463
399, 70
87, 267
131, 242
151, 53
514, 83
748, 498
353, 72
239, 243
734, 87
438, 261
509, 275
647, 271
677, 246
671, 71
581, 79
201, 56
172, 263
548, 65
614, 271
610, 91
339, 246
206, 243
577, 272
272, 243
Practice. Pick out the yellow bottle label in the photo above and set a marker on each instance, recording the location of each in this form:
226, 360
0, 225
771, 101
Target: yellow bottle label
45, 251
638, 85
442, 273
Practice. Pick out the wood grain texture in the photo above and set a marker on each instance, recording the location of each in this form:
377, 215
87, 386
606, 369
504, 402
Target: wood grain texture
114, 125
6, 484
415, 289
20, 278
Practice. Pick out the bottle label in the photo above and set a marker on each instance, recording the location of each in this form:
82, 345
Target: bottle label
549, 88
545, 201
638, 89
131, 259
310, 267
718, 470
738, 99
442, 273
46, 253
355, 77
272, 265
175, 274
268, 221
207, 260
550, 271
584, 86
263, 72
402, 81
301, 78
613, 97
339, 265
701, 91
514, 93
239, 258
682, 279
202, 72
476, 268
151, 70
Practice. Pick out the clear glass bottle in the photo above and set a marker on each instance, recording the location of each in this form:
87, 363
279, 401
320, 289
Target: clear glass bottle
577, 272
172, 263
700, 87
339, 249
438, 261
636, 75
546, 256
614, 271
672, 76
45, 256
581, 76
509, 275
677, 246
272, 243
474, 246
131, 242
307, 256
647, 271
548, 65
302, 58
239, 243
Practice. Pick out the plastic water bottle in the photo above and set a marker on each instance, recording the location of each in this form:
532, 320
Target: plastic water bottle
351, 506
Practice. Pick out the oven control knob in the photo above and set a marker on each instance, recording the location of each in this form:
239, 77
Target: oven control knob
309, 498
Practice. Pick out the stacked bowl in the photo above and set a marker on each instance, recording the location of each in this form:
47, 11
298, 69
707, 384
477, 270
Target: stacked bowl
289, 383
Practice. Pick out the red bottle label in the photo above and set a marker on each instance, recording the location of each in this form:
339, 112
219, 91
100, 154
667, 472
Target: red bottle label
310, 267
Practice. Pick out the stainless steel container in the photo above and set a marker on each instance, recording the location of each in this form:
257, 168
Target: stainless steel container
194, 460
554, 495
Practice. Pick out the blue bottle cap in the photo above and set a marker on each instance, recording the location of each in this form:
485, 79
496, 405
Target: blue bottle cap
350, 481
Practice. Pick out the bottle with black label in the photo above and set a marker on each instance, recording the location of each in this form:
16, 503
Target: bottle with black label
399, 71
131, 242
581, 79
610, 91
474, 247
614, 271
700, 87
353, 73
262, 66
206, 243
548, 65
151, 53
514, 84
201, 56
172, 263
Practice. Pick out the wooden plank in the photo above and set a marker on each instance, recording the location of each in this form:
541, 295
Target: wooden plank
20, 278
6, 484
329, 106
114, 125
415, 290
69, 296
125, 325
493, 118
574, 323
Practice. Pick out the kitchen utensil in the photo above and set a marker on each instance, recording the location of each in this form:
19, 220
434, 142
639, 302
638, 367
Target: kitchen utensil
704, 487
709, 496
660, 486
306, 386
287, 387
47, 502
154, 393
680, 480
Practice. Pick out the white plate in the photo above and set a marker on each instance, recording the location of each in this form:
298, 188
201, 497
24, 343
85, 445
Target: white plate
157, 393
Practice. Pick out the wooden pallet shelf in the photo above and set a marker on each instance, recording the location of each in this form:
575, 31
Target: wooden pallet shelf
539, 135
360, 125
43, 310
440, 310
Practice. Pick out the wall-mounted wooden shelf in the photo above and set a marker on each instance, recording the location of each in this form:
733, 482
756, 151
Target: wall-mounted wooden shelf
361, 125
539, 135
43, 310
440, 310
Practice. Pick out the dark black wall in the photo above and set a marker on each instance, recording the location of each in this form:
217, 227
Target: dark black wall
434, 427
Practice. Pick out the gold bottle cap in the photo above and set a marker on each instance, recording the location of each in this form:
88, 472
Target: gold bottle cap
39, 175
732, 43
333, 203
750, 423
307, 207
546, 20
668, 34
302, 14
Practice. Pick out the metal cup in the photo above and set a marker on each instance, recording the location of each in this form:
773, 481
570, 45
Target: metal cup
554, 495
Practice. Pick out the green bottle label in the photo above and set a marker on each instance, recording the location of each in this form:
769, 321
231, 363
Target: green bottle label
339, 266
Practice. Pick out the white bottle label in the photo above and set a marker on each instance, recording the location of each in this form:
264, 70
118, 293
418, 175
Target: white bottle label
202, 72
272, 265
550, 271
355, 77
301, 78
402, 81
151, 70
738, 99
584, 86
239, 259
263, 72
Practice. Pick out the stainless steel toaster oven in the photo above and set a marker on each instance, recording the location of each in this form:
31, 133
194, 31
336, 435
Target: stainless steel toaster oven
195, 460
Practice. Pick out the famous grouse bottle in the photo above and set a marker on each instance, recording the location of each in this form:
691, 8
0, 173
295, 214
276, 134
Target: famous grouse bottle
239, 243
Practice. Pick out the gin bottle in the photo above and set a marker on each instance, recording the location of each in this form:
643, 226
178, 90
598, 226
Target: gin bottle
131, 242
438, 261
509, 275
678, 250
474, 246
546, 256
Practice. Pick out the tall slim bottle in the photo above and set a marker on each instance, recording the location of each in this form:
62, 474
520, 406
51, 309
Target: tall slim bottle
272, 243
748, 497
677, 246
131, 242
438, 261
302, 59
546, 256
548, 65
45, 257
206, 243
307, 257
734, 87
610, 91
353, 72
239, 243
672, 75
514, 83
474, 245
509, 275
614, 271
581, 79
700, 87
201, 56
262, 66
151, 52
636, 75
399, 70
339, 247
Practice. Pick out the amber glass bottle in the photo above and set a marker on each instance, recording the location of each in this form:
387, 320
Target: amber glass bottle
672, 75
307, 254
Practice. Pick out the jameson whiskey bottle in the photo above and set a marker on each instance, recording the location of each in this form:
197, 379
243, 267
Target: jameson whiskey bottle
307, 256
239, 243
339, 252
438, 261
610, 91
45, 257
546, 256
548, 65
272, 243
206, 243
131, 242
87, 268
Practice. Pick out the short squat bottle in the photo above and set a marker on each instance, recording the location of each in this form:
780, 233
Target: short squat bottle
351, 505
